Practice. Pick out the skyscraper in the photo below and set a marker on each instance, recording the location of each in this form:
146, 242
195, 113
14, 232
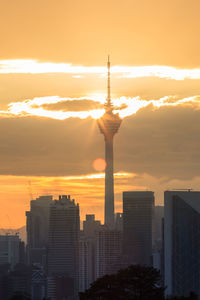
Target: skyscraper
87, 264
87, 252
182, 242
109, 124
63, 249
108, 251
37, 226
137, 226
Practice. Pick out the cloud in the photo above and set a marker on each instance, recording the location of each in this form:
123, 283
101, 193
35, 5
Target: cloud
36, 107
162, 142
155, 141
74, 105
59, 108
21, 66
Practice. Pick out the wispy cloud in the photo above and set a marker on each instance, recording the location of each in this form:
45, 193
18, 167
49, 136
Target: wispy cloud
21, 66
123, 106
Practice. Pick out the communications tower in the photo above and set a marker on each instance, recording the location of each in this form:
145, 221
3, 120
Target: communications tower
109, 124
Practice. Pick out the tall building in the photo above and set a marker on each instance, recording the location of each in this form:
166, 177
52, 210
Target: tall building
63, 249
87, 264
87, 252
137, 226
38, 283
37, 226
157, 232
109, 124
108, 251
182, 242
10, 250
90, 226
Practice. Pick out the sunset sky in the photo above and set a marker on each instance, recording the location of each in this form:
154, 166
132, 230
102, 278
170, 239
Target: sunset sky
53, 58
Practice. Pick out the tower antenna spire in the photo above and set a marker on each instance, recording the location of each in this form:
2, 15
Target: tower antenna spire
108, 104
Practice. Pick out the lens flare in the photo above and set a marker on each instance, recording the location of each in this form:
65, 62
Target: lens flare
99, 164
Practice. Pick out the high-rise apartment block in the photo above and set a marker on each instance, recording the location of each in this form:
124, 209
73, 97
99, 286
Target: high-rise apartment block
63, 249
182, 242
37, 226
137, 226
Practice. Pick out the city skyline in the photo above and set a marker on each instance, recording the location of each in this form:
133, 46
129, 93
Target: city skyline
53, 89
99, 149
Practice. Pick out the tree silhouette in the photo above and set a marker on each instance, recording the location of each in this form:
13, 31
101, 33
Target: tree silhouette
192, 296
135, 283
20, 296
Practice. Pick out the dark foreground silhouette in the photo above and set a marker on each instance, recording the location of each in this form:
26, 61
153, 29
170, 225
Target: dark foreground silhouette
192, 296
135, 283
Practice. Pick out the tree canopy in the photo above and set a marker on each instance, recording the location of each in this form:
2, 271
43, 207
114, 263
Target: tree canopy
135, 283
192, 296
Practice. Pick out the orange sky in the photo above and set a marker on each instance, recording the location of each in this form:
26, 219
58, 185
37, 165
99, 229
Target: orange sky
53, 86
134, 32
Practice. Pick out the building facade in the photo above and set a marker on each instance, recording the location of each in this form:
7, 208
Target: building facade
63, 248
182, 242
10, 250
108, 251
137, 226
37, 226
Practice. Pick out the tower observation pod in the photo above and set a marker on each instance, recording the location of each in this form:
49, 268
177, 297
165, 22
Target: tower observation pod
109, 124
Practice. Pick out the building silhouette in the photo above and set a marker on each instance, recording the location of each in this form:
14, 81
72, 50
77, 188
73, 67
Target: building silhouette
63, 249
182, 242
10, 250
108, 251
37, 226
157, 224
19, 281
137, 227
87, 265
109, 124
119, 221
90, 226
38, 283
87, 252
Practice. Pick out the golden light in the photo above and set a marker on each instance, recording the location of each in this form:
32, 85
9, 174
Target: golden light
124, 106
99, 164
31, 66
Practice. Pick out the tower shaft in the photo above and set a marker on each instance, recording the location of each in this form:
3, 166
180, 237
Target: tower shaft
109, 124
109, 183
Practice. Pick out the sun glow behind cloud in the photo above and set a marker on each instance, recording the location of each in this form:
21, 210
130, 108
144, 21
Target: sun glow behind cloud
30, 66
124, 106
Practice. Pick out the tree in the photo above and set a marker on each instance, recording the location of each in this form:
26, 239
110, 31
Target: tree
192, 296
20, 296
135, 283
